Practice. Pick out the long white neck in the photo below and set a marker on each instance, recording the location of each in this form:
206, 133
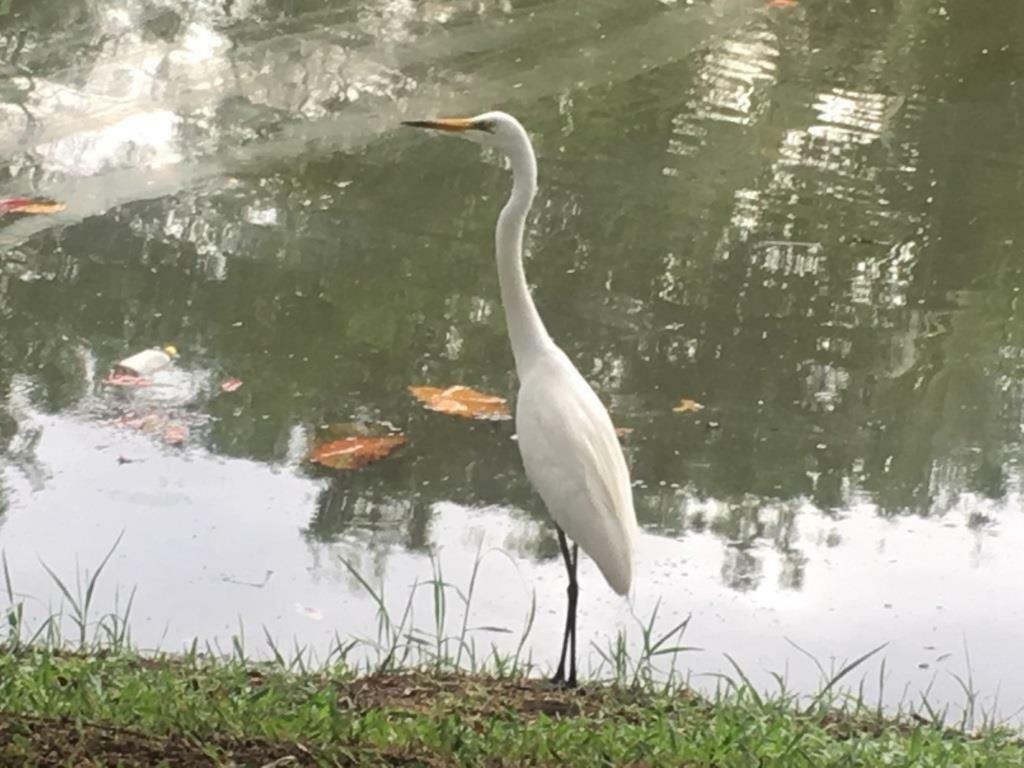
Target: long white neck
526, 330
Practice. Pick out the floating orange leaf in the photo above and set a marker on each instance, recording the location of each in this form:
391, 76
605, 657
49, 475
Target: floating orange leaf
355, 452
42, 207
29, 206
462, 401
781, 3
231, 385
688, 406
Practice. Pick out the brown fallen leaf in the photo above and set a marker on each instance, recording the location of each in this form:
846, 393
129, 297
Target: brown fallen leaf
688, 406
462, 401
28, 205
231, 385
355, 452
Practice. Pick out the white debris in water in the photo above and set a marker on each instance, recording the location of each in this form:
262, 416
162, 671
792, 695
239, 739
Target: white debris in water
264, 217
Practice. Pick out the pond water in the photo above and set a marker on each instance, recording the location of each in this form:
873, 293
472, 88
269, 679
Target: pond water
805, 216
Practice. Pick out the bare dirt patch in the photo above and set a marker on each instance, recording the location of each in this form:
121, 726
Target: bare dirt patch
52, 742
49, 742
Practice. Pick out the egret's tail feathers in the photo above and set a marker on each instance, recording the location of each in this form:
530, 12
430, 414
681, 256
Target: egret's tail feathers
609, 541
618, 572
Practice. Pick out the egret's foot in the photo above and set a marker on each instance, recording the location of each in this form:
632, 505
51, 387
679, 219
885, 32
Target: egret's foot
559, 681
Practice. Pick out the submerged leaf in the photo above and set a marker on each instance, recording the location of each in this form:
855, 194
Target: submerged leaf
688, 406
148, 422
355, 452
171, 432
175, 434
462, 401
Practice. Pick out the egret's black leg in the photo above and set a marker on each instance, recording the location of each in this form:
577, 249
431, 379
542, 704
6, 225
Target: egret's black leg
569, 638
559, 677
574, 592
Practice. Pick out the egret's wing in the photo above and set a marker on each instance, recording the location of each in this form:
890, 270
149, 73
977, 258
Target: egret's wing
573, 458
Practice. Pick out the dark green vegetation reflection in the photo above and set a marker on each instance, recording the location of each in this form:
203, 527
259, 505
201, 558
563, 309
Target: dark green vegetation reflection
806, 218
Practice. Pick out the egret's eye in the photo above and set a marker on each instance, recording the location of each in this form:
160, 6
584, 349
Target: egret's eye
484, 125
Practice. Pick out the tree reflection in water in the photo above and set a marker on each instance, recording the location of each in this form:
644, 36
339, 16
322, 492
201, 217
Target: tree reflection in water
806, 220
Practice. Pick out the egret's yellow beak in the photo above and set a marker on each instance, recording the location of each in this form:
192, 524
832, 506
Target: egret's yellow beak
449, 124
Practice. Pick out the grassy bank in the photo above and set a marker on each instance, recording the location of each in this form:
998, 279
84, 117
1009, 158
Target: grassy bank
61, 708
74, 692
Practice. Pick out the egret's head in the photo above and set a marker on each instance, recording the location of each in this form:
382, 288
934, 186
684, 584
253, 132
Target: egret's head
498, 130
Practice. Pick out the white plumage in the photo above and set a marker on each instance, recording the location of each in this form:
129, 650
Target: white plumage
569, 447
572, 457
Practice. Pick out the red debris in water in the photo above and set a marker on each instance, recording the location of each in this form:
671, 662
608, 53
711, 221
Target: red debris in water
118, 379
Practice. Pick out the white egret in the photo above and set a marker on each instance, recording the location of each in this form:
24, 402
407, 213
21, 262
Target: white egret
569, 447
